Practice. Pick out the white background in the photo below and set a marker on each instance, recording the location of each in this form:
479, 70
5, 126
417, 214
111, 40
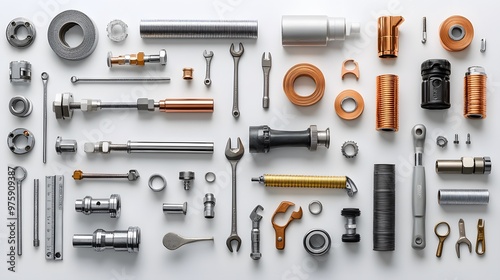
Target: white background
142, 207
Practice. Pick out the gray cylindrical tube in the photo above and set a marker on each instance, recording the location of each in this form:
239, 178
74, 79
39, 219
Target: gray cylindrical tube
199, 29
384, 206
315, 30
174, 208
171, 147
463, 197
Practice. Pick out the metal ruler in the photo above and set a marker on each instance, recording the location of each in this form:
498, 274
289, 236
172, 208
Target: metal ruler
54, 201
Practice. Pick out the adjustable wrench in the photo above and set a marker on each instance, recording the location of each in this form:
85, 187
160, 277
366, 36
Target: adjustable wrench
234, 155
418, 190
236, 58
255, 236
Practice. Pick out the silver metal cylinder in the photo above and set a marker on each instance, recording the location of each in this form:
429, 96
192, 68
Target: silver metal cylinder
66, 145
171, 147
463, 197
175, 208
315, 30
199, 29
209, 203
89, 205
119, 240
465, 165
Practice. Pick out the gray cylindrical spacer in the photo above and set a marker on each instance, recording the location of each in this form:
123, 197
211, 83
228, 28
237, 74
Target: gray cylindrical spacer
463, 197
209, 203
66, 145
175, 208
314, 30
119, 240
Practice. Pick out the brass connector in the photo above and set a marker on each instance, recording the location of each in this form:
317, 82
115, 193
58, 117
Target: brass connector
308, 181
139, 59
388, 36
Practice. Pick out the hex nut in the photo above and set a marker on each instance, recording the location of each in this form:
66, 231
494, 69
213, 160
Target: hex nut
133, 175
104, 147
163, 57
467, 165
89, 105
145, 104
67, 99
441, 141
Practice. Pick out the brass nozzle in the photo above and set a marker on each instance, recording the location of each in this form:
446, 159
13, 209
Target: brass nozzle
388, 36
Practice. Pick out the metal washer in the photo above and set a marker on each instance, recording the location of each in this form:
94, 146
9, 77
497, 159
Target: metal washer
13, 28
152, 178
24, 110
20, 132
120, 35
320, 207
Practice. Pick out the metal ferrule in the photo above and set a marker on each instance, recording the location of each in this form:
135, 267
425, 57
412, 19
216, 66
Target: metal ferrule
175, 208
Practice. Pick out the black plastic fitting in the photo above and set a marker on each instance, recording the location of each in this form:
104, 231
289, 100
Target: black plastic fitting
263, 138
435, 84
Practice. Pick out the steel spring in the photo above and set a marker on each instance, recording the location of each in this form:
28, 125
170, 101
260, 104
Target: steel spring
384, 198
387, 118
475, 93
463, 197
302, 181
199, 29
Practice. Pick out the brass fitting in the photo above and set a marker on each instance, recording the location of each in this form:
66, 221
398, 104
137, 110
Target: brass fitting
138, 59
308, 181
187, 73
388, 36
464, 165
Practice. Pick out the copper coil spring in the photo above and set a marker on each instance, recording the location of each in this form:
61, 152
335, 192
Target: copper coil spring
387, 118
475, 93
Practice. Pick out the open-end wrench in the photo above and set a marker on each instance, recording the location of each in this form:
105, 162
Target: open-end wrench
236, 59
462, 238
208, 58
266, 68
234, 155
45, 80
418, 191
255, 255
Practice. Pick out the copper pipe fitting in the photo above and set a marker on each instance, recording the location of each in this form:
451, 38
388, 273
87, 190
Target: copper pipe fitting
387, 118
475, 93
187, 73
187, 105
388, 36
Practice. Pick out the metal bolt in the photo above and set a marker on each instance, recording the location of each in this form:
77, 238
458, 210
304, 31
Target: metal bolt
187, 177
456, 142
132, 175
209, 202
468, 139
350, 214
138, 59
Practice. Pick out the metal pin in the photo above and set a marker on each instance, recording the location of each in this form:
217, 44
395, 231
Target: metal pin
424, 30
36, 210
75, 80
45, 80
468, 139
483, 45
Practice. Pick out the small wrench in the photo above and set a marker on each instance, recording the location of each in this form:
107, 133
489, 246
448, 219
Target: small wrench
20, 175
234, 155
255, 236
462, 238
236, 59
418, 190
208, 57
266, 68
441, 237
45, 80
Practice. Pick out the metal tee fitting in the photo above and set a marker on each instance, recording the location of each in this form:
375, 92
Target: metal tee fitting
120, 240
465, 165
263, 138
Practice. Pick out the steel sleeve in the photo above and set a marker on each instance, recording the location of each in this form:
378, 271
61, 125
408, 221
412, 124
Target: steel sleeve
463, 197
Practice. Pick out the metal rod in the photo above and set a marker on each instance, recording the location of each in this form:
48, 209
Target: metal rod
75, 80
151, 147
45, 80
36, 211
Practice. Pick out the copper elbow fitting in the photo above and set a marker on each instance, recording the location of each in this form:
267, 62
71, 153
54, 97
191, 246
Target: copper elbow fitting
187, 105
388, 36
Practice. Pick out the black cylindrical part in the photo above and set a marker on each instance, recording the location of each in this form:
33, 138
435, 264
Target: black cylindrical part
262, 138
384, 205
435, 84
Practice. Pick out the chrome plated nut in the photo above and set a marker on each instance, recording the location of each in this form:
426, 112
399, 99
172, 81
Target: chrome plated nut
467, 165
89, 105
145, 104
133, 175
163, 57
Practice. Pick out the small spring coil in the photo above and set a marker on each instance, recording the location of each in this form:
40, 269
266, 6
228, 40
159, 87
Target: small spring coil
387, 118
475, 93
384, 204
301, 181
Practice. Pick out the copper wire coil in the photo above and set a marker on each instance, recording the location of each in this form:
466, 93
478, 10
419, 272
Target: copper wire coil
387, 118
304, 70
456, 33
475, 93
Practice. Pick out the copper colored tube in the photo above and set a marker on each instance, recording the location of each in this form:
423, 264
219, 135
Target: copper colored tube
388, 36
387, 118
187, 105
475, 93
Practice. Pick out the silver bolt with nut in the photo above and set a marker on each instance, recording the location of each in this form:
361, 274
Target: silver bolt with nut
132, 175
138, 59
89, 205
209, 203
187, 177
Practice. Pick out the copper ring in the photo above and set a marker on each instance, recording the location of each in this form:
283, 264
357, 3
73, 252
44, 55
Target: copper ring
345, 95
304, 70
456, 33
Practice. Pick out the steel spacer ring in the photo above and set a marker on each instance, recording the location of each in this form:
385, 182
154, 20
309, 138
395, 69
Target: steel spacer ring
210, 177
20, 132
441, 141
64, 22
25, 109
152, 178
13, 28
320, 207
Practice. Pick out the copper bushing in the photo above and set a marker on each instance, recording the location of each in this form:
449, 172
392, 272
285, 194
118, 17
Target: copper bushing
187, 105
388, 36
